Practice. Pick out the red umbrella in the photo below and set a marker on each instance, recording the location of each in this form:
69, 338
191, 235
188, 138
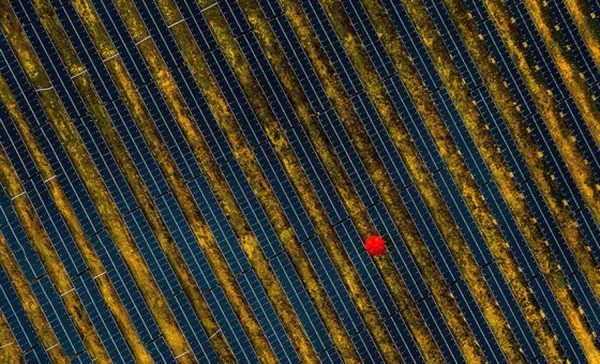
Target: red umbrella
375, 245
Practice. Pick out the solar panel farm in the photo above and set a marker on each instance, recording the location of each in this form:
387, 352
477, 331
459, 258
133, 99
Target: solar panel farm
300, 181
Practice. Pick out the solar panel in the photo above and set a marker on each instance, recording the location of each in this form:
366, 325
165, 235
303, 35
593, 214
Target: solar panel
301, 302
333, 48
101, 318
403, 339
412, 41
60, 322
36, 355
12, 310
439, 330
510, 308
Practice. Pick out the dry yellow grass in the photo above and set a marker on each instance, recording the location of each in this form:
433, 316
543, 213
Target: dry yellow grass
570, 73
261, 187
30, 305
56, 271
476, 126
126, 165
64, 207
587, 25
113, 221
9, 349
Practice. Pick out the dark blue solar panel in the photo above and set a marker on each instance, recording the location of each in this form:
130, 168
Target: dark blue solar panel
101, 318
541, 55
219, 225
14, 147
230, 326
382, 141
54, 225
160, 351
36, 355
462, 137
138, 149
252, 209
330, 356
366, 268
510, 308
82, 358
198, 26
412, 41
12, 309
126, 288
477, 10
70, 182
430, 234
414, 123
585, 141
342, 144
235, 17
237, 100
333, 47
399, 252
507, 68
107, 165
403, 339
573, 41
160, 34
300, 64
87, 53
317, 174
501, 134
463, 218
55, 70
197, 104
454, 43
365, 345
192, 329
439, 330
590, 230
513, 236
477, 323
285, 193
60, 322
271, 8
371, 41
186, 242
150, 249
267, 318
301, 302
170, 132
335, 288
120, 36
586, 299
267, 80
557, 321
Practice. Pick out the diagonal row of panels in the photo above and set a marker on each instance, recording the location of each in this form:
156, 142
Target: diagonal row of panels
249, 144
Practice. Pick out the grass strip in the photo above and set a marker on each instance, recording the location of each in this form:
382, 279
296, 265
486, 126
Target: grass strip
109, 294
241, 228
109, 213
493, 158
568, 69
127, 166
9, 349
30, 305
588, 26
259, 183
433, 199
522, 136
44, 248
547, 105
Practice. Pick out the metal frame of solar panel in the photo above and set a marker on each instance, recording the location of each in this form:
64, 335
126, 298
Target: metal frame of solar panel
411, 40
300, 64
126, 288
104, 324
60, 322
14, 314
